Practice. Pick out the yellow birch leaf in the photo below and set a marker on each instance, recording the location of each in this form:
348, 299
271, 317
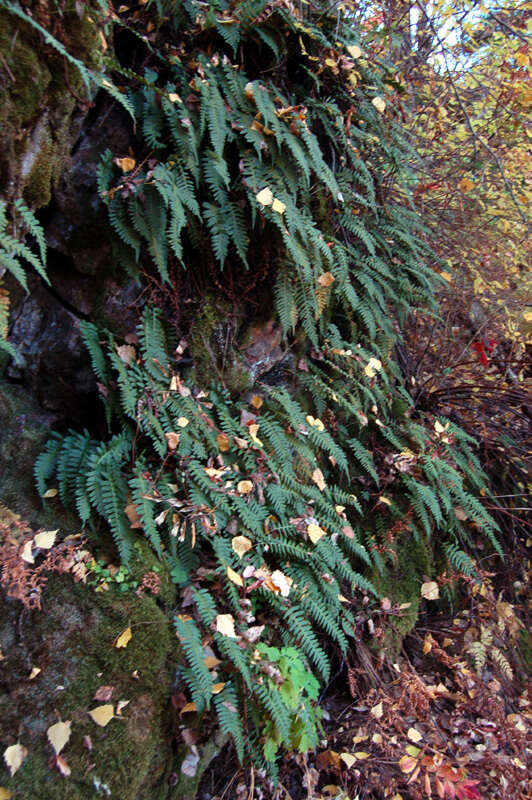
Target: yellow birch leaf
319, 480
5, 794
223, 442
377, 711
244, 487
348, 759
253, 430
465, 185
241, 545
14, 756
102, 715
234, 577
379, 104
225, 624
385, 500
354, 51
278, 206
33, 674
124, 638
26, 554
414, 735
50, 493
361, 755
265, 197
58, 735
182, 422
188, 708
256, 401
126, 164
174, 98
211, 662
217, 688
430, 591
315, 533
45, 539
447, 276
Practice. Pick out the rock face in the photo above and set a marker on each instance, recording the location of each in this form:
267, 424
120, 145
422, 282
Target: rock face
43, 98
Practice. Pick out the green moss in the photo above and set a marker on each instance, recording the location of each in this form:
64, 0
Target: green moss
130, 754
401, 583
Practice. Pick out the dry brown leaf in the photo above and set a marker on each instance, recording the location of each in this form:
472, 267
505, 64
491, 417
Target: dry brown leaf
211, 662
217, 688
102, 715
126, 353
326, 279
62, 766
103, 694
172, 440
256, 401
58, 735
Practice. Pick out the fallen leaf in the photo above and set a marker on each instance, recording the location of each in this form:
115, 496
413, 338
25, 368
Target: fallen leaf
354, 50
133, 515
244, 487
102, 715
264, 197
188, 708
241, 545
124, 638
315, 533
234, 577
414, 735
62, 766
252, 634
211, 662
172, 440
377, 711
103, 694
34, 672
326, 279
14, 756
126, 164
379, 104
253, 430
174, 98
319, 480
45, 539
225, 624
465, 185
5, 794
407, 764
58, 735
183, 422
447, 276
126, 353
430, 591
217, 687
348, 759
361, 755
121, 705
280, 581
278, 206
256, 402
385, 500
50, 493
314, 422
223, 442
27, 554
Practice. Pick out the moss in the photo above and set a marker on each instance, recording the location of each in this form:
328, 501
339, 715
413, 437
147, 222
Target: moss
401, 583
39, 93
73, 643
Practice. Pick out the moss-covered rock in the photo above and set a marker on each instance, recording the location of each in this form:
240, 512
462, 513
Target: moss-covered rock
401, 582
73, 641
40, 94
